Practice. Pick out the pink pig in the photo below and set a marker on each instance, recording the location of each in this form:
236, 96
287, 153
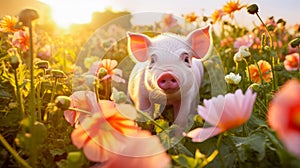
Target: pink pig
168, 71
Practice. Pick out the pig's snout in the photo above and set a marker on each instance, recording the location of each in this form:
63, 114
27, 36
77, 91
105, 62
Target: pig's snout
168, 82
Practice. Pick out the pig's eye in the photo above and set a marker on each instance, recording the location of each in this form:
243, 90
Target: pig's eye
185, 57
153, 59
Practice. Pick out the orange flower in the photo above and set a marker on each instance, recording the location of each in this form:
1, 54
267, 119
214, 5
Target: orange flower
232, 6
291, 62
192, 17
265, 69
142, 150
21, 39
284, 115
7, 24
104, 131
217, 16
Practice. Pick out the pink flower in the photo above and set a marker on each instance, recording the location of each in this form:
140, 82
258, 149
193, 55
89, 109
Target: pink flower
284, 115
291, 62
169, 21
223, 113
82, 100
142, 150
111, 71
21, 39
246, 40
104, 132
45, 53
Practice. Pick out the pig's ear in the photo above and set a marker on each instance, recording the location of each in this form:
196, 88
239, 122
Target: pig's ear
200, 41
138, 45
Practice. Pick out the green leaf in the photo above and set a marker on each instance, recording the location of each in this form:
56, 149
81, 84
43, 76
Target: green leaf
162, 124
250, 147
74, 160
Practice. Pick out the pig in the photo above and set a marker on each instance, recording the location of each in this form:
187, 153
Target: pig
168, 71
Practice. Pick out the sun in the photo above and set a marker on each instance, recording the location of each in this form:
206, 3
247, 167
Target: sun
67, 12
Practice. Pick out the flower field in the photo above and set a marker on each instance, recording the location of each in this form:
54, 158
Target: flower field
65, 102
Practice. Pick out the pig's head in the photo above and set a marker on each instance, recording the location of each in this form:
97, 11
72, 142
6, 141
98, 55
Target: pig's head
171, 58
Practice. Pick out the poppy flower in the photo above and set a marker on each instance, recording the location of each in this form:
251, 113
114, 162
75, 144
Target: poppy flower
81, 100
284, 115
21, 39
291, 62
223, 113
106, 131
246, 40
265, 69
142, 150
111, 72
45, 52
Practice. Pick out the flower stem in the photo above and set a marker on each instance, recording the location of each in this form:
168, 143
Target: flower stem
97, 89
248, 69
33, 151
269, 34
53, 90
150, 119
18, 94
39, 113
218, 147
14, 152
79, 110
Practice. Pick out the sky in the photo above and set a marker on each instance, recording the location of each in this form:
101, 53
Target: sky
80, 10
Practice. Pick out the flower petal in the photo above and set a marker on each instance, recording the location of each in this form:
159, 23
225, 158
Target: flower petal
202, 134
213, 109
79, 137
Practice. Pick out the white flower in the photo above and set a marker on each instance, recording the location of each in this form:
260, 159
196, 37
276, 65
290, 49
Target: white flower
233, 78
242, 53
244, 50
237, 57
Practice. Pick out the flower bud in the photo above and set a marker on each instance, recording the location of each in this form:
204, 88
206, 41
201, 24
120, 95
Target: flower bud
42, 64
205, 18
281, 21
295, 42
102, 72
28, 15
237, 57
263, 39
14, 61
58, 74
270, 27
252, 9
63, 102
267, 48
